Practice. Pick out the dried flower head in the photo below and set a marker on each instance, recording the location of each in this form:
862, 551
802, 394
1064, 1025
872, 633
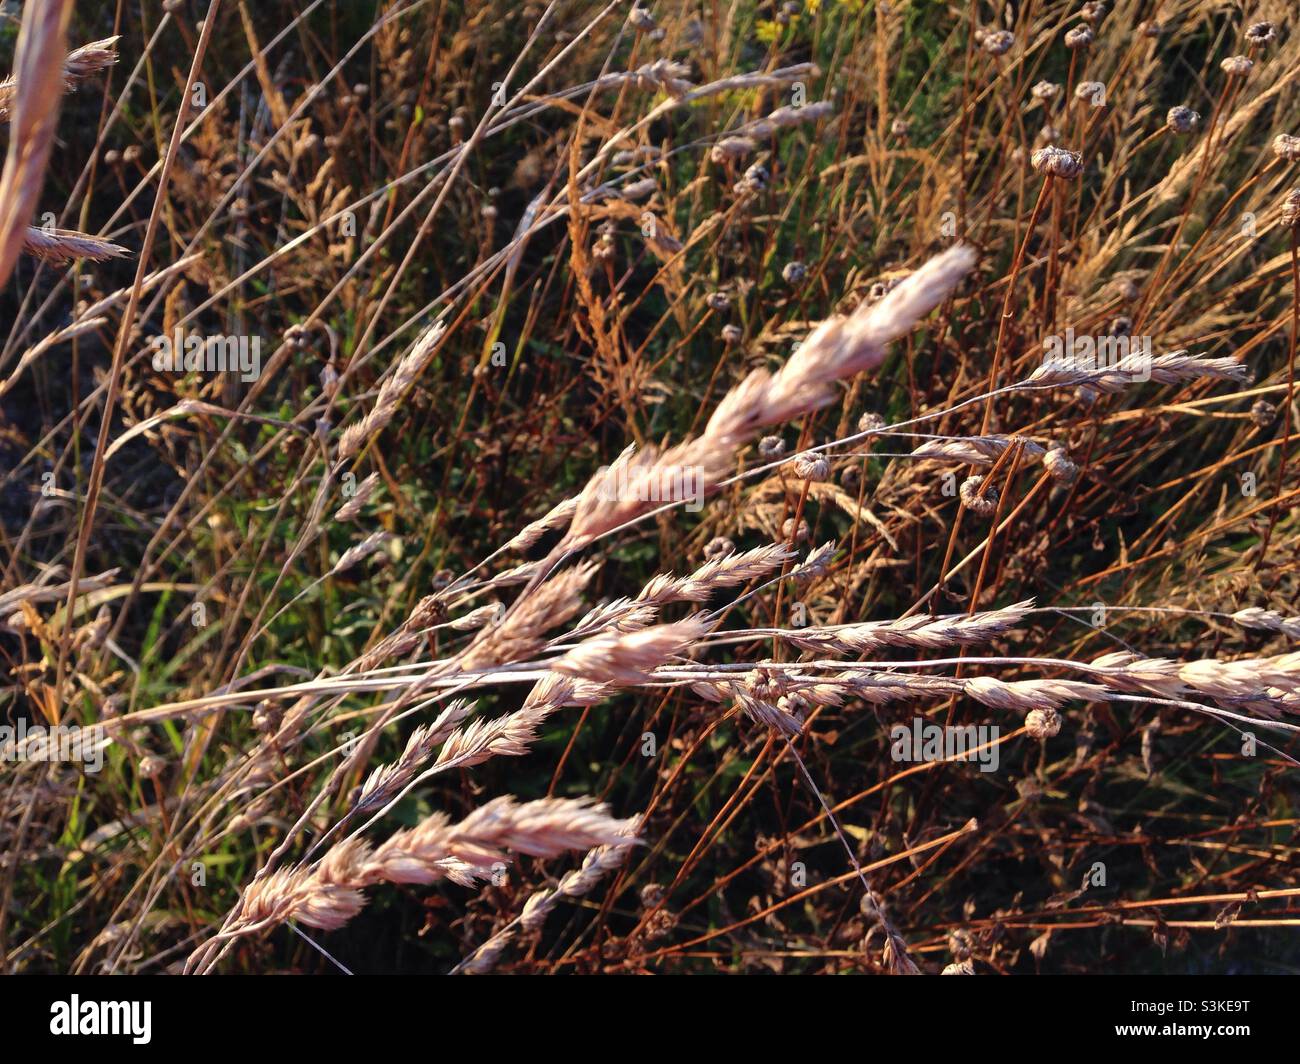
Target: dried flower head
1237, 66
151, 767
1093, 92
1291, 209
983, 503
808, 466
1286, 147
1182, 119
1057, 162
870, 422
731, 334
1093, 12
1045, 90
794, 272
771, 447
1059, 466
1259, 33
1263, 413
718, 301
997, 42
1043, 723
900, 127
1079, 37
718, 547
794, 532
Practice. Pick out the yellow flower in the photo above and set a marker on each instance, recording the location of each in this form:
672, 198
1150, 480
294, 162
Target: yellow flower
767, 31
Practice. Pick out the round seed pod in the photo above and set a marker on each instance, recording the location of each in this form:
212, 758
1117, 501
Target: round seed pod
794, 272
870, 422
1043, 723
1045, 90
718, 301
771, 447
1093, 12
1237, 66
731, 334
